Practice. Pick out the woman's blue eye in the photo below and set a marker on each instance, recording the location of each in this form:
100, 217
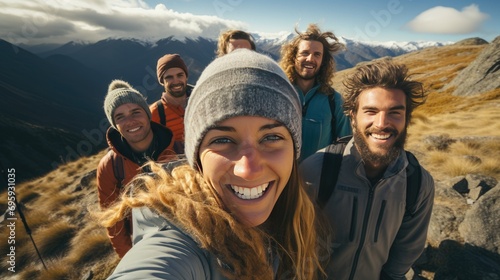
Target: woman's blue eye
273, 138
221, 141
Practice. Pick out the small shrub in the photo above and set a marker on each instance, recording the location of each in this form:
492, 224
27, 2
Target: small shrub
438, 142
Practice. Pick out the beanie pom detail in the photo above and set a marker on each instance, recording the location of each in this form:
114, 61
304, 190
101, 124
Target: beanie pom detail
116, 84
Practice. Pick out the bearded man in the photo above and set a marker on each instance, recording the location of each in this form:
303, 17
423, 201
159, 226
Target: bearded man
172, 74
375, 236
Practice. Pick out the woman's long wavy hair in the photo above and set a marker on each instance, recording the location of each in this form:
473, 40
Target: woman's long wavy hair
331, 46
187, 200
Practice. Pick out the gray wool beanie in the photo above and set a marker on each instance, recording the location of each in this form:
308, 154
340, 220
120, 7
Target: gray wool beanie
241, 83
119, 93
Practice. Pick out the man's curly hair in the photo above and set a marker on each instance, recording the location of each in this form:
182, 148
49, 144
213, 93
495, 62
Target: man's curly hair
331, 46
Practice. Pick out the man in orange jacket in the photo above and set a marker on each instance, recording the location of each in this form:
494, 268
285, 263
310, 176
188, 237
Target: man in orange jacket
133, 139
169, 110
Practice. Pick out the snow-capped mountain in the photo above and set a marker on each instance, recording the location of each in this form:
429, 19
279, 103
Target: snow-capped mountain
135, 60
356, 51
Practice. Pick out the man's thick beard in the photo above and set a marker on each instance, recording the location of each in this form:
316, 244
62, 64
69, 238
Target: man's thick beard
177, 93
307, 78
378, 159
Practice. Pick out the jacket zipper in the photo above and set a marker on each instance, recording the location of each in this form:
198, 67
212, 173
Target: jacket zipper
363, 232
379, 220
354, 217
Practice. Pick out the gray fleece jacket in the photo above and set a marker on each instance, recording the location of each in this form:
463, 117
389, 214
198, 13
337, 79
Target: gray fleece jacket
163, 251
370, 237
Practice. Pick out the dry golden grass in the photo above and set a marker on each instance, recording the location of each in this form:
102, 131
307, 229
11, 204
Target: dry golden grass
438, 66
96, 244
55, 238
69, 241
57, 272
23, 252
473, 121
31, 272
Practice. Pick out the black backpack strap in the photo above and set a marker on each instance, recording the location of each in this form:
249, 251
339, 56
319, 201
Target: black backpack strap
332, 160
118, 169
331, 102
161, 112
413, 183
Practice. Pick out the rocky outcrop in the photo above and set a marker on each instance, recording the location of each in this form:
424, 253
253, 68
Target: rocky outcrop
463, 233
471, 42
482, 75
481, 224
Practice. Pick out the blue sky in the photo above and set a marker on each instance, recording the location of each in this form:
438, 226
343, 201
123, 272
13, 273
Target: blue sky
367, 19
60, 21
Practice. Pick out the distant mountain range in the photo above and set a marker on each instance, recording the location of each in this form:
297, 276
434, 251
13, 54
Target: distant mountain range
135, 60
51, 109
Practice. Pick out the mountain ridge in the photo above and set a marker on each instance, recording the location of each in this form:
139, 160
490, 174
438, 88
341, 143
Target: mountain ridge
69, 97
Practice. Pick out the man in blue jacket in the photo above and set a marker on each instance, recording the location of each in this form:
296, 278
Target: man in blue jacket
309, 64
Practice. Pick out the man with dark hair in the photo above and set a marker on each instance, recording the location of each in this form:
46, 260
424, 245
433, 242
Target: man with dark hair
309, 64
172, 74
133, 140
231, 40
378, 215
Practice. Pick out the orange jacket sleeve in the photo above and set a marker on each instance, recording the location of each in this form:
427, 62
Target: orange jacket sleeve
108, 192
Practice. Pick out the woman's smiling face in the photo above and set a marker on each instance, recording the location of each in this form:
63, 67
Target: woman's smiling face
248, 160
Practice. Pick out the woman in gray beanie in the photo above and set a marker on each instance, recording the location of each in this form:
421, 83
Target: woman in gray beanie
238, 209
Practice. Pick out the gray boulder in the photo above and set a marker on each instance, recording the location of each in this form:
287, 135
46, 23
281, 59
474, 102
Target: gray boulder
448, 211
481, 75
481, 224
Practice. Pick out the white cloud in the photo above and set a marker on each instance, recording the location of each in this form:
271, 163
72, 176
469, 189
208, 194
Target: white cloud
445, 20
57, 21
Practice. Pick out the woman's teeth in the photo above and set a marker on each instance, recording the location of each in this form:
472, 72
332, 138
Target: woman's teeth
250, 193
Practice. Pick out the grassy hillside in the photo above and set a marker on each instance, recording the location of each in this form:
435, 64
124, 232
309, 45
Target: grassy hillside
471, 121
73, 246
70, 242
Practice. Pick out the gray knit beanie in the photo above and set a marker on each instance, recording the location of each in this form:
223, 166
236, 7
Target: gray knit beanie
119, 93
241, 83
